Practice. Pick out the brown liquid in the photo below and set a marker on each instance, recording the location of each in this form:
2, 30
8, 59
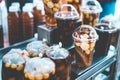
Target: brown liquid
39, 18
104, 42
28, 26
1, 36
13, 27
63, 65
11, 74
66, 27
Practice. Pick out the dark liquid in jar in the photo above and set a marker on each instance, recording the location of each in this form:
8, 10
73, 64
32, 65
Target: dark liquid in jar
1, 36
84, 49
9, 73
28, 26
103, 44
39, 18
13, 27
63, 66
65, 29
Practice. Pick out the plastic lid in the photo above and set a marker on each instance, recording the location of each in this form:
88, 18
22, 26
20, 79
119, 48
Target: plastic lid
78, 34
40, 7
39, 67
36, 47
67, 14
105, 27
56, 52
15, 4
13, 9
27, 9
16, 57
29, 5
91, 6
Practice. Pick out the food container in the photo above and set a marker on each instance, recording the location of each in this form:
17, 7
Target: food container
90, 12
62, 60
13, 64
39, 69
105, 32
36, 48
84, 39
67, 17
51, 7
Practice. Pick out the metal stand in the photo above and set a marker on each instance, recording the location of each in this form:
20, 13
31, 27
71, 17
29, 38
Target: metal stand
51, 34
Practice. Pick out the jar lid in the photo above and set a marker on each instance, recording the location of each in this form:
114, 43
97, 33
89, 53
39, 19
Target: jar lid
16, 56
91, 6
56, 52
15, 4
13, 9
67, 11
39, 68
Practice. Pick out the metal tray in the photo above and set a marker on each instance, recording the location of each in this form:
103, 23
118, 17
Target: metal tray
98, 62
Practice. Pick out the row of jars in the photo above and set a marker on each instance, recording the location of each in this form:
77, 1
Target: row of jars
22, 24
38, 62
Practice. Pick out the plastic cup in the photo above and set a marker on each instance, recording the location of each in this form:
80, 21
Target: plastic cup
67, 17
62, 60
13, 64
84, 39
90, 11
51, 7
39, 69
105, 32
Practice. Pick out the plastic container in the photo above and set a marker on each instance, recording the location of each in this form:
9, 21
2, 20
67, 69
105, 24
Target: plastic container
36, 48
39, 14
14, 25
27, 22
13, 64
39, 69
66, 17
62, 60
105, 32
90, 12
84, 38
51, 7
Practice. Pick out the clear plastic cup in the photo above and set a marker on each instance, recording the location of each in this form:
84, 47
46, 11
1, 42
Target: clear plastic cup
39, 69
13, 64
84, 39
105, 32
36, 48
90, 11
67, 17
62, 60
51, 7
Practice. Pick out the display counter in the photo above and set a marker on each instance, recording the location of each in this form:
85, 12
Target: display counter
100, 64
